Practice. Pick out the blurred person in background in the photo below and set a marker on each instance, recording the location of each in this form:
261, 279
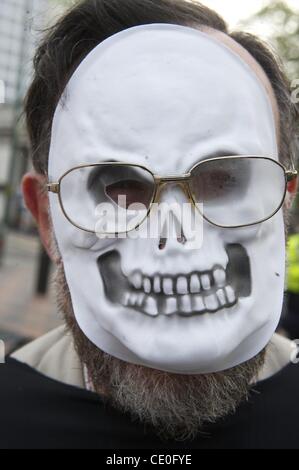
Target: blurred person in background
163, 342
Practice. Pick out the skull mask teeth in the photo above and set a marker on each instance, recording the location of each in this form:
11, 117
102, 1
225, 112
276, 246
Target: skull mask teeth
194, 294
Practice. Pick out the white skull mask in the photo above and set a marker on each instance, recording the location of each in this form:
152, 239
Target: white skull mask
167, 97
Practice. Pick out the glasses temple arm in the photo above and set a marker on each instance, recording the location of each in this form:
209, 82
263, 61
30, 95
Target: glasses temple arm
53, 188
291, 175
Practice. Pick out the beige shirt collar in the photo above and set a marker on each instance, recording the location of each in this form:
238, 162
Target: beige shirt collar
54, 356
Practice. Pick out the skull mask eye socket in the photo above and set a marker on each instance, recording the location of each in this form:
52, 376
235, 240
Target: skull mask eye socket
130, 192
122, 184
238, 191
220, 179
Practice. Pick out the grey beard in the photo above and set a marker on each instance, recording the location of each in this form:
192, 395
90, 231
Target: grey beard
176, 406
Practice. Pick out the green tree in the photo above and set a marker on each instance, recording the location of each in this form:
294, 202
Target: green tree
282, 23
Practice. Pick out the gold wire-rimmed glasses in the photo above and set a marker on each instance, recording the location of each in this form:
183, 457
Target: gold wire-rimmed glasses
228, 191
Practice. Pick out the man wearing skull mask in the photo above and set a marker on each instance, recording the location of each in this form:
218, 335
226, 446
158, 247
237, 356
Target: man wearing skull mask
156, 102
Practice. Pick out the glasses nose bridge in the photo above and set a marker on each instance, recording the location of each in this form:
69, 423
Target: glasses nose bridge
180, 181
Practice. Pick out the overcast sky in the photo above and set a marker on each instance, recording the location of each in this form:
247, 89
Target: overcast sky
234, 11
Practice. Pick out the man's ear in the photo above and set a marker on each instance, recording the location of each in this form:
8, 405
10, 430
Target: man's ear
37, 201
292, 188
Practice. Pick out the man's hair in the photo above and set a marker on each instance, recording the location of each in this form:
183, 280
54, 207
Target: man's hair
92, 21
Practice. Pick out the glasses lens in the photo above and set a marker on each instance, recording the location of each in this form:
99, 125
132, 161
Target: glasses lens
238, 191
107, 198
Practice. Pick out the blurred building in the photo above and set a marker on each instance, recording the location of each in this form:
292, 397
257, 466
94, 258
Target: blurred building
20, 21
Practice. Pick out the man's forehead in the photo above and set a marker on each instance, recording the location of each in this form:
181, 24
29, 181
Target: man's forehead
160, 90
